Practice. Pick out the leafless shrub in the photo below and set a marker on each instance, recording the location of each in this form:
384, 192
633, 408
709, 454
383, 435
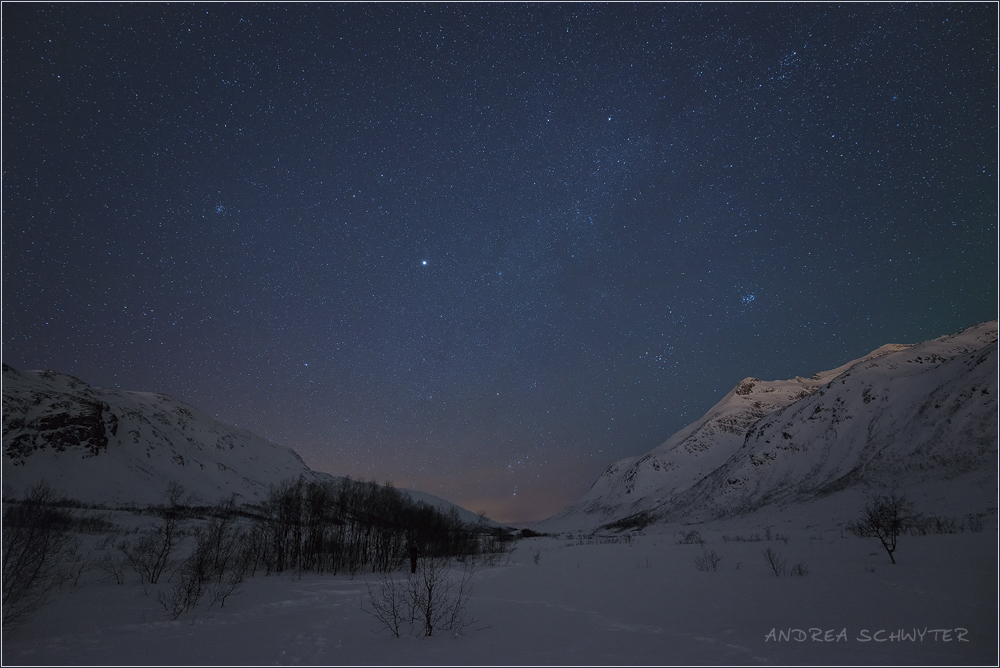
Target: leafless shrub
232, 557
150, 554
691, 538
391, 602
432, 599
799, 569
181, 597
775, 561
708, 561
439, 599
921, 526
113, 565
221, 560
754, 538
975, 523
74, 563
34, 542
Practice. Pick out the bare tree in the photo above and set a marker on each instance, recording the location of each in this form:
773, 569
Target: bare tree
885, 517
708, 561
391, 602
113, 566
432, 599
34, 538
775, 561
149, 556
219, 563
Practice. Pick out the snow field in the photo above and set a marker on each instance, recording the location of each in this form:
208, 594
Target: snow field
583, 603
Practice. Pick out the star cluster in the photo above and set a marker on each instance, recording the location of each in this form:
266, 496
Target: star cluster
486, 250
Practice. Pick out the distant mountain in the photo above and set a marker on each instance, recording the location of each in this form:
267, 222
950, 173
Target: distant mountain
901, 414
113, 447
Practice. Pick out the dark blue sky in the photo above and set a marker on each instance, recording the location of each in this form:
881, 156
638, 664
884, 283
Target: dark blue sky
486, 250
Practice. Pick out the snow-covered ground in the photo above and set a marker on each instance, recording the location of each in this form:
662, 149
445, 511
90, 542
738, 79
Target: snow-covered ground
582, 601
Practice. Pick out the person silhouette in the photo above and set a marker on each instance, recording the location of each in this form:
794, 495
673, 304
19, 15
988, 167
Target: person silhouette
414, 553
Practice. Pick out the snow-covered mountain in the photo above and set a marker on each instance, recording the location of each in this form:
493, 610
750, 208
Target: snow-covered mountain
903, 414
100, 445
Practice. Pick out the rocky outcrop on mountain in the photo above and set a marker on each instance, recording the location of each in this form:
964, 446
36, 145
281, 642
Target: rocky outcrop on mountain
57, 420
903, 413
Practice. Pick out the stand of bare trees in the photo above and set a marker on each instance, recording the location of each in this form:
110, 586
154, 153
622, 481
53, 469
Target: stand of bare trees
354, 526
219, 563
188, 555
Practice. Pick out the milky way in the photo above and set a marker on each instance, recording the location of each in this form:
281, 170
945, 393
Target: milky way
486, 250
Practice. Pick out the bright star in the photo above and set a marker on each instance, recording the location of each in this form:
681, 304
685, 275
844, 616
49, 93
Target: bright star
423, 262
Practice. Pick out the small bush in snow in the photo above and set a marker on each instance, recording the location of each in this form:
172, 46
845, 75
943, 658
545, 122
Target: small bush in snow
975, 523
754, 538
149, 555
391, 603
432, 599
113, 566
934, 524
221, 560
775, 561
708, 561
691, 538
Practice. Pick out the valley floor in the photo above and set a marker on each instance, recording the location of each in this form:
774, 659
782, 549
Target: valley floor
581, 602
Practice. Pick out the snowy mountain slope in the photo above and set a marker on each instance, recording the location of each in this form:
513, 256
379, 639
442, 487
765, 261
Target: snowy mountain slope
108, 446
467, 516
914, 412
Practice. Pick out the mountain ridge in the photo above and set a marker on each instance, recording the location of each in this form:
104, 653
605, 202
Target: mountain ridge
117, 447
762, 443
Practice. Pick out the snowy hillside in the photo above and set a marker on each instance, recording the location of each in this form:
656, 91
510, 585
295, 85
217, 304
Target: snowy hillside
108, 446
903, 413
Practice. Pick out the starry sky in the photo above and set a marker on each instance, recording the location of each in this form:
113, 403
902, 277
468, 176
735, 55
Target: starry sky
486, 250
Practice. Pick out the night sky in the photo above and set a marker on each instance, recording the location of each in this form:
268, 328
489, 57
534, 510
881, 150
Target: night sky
486, 250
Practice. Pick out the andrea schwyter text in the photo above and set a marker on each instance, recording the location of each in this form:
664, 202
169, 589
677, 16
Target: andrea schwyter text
913, 634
